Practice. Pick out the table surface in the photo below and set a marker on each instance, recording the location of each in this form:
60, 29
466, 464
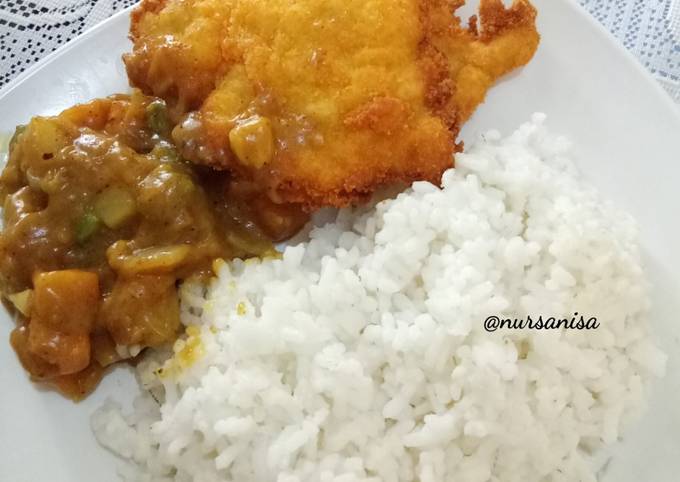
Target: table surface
30, 29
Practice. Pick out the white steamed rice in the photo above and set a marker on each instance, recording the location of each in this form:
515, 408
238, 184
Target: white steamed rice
361, 355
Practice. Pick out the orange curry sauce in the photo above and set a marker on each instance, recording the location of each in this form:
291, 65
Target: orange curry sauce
102, 220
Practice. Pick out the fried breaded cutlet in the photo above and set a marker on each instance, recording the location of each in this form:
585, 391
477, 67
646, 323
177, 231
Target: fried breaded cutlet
323, 101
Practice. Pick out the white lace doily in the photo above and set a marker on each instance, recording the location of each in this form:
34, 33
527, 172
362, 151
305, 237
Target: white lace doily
648, 28
31, 29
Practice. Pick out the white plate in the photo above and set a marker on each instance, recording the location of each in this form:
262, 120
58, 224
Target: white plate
627, 133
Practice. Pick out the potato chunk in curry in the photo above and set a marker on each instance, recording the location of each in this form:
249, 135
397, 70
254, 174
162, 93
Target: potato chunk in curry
102, 219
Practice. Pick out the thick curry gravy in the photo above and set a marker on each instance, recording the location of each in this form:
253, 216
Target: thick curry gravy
102, 219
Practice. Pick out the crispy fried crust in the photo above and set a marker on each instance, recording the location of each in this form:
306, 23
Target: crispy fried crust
145, 8
496, 19
460, 64
359, 93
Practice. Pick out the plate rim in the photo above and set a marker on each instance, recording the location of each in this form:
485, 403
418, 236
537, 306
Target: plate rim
627, 55
34, 69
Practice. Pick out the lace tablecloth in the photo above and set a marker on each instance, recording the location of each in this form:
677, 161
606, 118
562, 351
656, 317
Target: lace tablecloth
30, 29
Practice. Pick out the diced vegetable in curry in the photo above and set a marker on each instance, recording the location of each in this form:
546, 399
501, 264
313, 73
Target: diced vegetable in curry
102, 219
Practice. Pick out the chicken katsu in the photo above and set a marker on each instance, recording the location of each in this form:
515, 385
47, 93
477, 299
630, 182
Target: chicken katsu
320, 103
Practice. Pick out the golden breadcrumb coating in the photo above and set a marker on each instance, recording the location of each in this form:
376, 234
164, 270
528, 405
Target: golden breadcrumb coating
323, 101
